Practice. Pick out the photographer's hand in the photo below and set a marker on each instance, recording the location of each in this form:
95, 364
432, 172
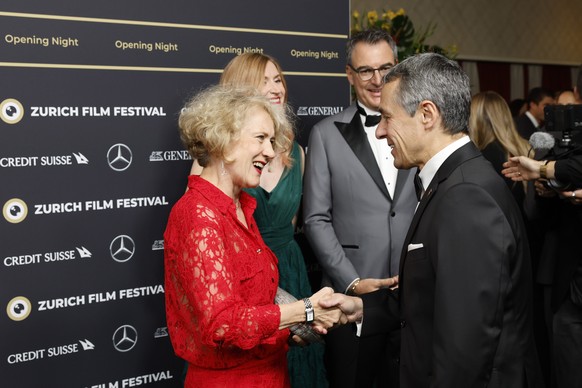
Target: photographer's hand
543, 190
521, 168
574, 196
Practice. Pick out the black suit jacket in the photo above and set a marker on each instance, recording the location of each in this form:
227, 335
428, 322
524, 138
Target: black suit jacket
465, 284
524, 126
561, 256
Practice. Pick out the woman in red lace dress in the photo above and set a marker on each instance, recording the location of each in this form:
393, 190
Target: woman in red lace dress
221, 278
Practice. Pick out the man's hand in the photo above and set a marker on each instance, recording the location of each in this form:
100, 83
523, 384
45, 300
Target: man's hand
371, 285
325, 317
352, 307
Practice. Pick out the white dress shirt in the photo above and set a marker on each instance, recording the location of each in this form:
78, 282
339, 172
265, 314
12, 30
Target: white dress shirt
431, 167
382, 153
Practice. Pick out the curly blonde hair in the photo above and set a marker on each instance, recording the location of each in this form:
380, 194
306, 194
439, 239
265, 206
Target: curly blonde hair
212, 121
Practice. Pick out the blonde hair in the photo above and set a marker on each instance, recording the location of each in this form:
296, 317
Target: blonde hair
249, 69
212, 121
491, 120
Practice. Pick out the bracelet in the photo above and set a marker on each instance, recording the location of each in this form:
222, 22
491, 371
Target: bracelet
309, 314
352, 290
544, 170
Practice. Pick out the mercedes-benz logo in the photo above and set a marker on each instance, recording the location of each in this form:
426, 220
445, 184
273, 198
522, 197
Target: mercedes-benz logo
124, 338
119, 157
122, 248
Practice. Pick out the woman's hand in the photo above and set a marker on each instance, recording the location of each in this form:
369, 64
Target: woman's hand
521, 168
297, 341
325, 317
352, 309
292, 313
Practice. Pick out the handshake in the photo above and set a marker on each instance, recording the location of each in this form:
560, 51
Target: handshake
333, 309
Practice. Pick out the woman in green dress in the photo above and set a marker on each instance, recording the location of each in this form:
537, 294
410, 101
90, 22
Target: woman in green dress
278, 198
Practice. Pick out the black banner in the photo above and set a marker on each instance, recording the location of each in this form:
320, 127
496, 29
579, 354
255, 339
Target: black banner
91, 163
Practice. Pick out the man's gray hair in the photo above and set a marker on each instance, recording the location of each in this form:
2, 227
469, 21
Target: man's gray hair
372, 36
435, 78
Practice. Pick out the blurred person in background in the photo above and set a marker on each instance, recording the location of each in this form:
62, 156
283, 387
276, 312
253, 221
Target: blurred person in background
532, 120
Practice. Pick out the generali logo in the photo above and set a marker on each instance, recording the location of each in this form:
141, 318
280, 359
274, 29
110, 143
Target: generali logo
318, 110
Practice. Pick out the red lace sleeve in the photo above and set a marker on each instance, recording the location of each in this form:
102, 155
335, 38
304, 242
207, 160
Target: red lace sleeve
220, 285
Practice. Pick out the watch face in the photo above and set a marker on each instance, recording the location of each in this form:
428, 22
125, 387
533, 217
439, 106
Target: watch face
302, 330
309, 316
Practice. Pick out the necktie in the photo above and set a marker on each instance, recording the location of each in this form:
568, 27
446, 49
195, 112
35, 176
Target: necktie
418, 186
371, 120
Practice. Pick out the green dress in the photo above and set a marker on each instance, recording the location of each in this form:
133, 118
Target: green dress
274, 213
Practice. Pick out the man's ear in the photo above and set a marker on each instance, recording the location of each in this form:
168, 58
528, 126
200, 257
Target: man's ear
350, 74
429, 113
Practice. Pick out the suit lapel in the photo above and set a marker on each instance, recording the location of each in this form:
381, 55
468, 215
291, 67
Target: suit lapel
357, 139
401, 181
466, 152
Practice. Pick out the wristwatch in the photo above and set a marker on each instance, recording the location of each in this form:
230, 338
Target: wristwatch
544, 170
309, 315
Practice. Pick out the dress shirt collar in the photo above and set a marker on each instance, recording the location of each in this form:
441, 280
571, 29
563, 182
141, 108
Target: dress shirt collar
532, 118
431, 167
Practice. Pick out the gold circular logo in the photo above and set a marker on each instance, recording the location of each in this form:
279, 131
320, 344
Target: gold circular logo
15, 210
11, 111
19, 308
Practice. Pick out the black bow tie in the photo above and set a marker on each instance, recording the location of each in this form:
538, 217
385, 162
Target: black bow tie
418, 186
371, 120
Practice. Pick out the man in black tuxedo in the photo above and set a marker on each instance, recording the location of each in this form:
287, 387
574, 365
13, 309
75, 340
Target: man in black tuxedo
531, 121
465, 274
357, 208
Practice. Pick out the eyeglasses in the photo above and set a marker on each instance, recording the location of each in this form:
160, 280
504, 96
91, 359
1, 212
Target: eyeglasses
367, 73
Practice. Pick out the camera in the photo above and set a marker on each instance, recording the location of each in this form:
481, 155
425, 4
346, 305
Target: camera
561, 120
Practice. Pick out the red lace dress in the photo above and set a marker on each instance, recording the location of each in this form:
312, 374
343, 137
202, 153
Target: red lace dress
221, 280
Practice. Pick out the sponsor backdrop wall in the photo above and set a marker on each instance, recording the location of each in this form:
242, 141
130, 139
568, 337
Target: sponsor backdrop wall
91, 163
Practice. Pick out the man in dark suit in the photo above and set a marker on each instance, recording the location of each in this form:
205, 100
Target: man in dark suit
558, 202
465, 274
531, 121
357, 208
